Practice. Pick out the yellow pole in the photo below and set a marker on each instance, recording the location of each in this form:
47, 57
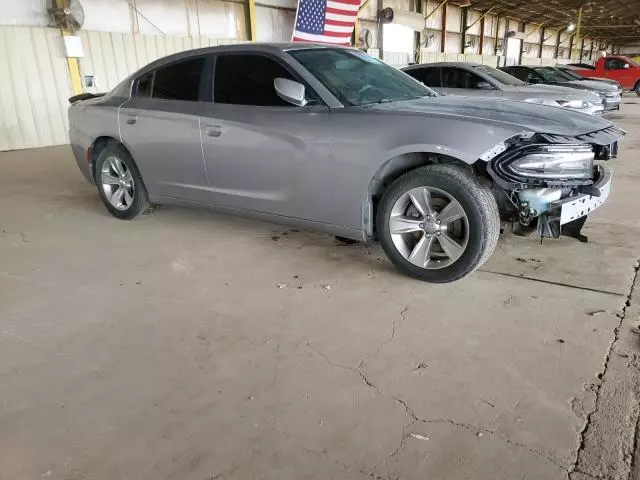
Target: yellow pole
356, 26
73, 65
250, 12
578, 28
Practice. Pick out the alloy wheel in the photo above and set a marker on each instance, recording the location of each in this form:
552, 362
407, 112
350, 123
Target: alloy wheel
429, 227
117, 183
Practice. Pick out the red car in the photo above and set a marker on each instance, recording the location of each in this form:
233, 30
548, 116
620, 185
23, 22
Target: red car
619, 68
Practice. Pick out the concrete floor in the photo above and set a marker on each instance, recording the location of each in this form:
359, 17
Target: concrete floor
163, 348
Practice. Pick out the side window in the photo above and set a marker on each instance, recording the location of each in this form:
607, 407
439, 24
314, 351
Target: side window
520, 74
614, 64
248, 80
432, 77
460, 78
417, 73
143, 85
179, 81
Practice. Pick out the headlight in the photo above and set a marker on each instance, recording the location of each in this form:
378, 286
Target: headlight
575, 103
570, 162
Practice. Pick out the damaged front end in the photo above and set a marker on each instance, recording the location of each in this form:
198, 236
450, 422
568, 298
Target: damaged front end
553, 182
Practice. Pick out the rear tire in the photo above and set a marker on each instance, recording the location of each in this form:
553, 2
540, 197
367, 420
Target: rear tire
637, 89
119, 183
438, 223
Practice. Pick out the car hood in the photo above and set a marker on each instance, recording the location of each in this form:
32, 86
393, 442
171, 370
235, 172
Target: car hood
565, 92
516, 116
598, 85
590, 85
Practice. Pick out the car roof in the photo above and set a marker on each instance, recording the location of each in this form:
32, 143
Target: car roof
444, 64
265, 47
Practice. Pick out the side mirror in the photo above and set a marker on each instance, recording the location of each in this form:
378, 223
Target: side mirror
484, 86
290, 91
534, 81
626, 65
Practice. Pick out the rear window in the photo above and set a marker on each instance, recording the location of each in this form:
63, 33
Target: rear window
179, 81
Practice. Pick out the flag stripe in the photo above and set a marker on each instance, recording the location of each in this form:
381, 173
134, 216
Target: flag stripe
340, 24
309, 37
342, 6
338, 28
330, 16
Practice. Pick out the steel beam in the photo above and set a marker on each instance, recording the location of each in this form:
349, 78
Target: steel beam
250, 19
443, 25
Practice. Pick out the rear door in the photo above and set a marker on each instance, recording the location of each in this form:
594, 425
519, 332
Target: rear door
261, 153
160, 126
459, 81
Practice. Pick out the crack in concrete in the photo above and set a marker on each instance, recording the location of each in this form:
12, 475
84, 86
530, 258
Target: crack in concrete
22, 235
601, 375
396, 321
415, 419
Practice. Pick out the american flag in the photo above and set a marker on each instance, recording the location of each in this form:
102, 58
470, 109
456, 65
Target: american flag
325, 21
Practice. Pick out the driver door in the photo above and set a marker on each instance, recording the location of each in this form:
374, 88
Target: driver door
619, 70
261, 153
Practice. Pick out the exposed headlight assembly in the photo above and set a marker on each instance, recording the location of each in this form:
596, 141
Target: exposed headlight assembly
580, 104
555, 162
551, 164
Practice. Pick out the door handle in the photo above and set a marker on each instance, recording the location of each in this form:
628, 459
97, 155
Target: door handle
132, 120
213, 130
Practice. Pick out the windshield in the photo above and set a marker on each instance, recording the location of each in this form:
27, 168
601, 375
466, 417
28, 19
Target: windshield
499, 76
572, 74
550, 74
356, 78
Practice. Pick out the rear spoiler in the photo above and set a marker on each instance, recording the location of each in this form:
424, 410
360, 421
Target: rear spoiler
85, 96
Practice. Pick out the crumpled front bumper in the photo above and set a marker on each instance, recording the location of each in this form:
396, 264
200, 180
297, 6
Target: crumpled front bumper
571, 209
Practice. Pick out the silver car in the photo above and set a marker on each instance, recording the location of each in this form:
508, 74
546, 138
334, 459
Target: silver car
610, 94
476, 80
332, 139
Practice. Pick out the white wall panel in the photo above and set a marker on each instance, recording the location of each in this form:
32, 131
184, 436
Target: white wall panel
34, 88
453, 18
435, 20
34, 78
24, 12
273, 24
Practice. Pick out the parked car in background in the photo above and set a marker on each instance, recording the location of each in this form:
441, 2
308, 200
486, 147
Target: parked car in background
573, 72
472, 79
331, 139
609, 94
619, 68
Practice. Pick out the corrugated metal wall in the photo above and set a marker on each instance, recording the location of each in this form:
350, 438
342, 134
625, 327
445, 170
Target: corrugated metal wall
111, 57
34, 87
34, 79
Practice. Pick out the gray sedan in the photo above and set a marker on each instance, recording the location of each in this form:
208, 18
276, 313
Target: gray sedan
610, 94
476, 80
332, 139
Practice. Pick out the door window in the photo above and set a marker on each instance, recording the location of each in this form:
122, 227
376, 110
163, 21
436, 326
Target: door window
179, 81
519, 73
429, 76
614, 64
460, 78
248, 80
143, 86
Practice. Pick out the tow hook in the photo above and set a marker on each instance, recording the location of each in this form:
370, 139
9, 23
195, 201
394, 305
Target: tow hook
526, 214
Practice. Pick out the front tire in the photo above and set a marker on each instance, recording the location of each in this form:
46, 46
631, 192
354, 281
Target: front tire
119, 183
438, 223
637, 89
